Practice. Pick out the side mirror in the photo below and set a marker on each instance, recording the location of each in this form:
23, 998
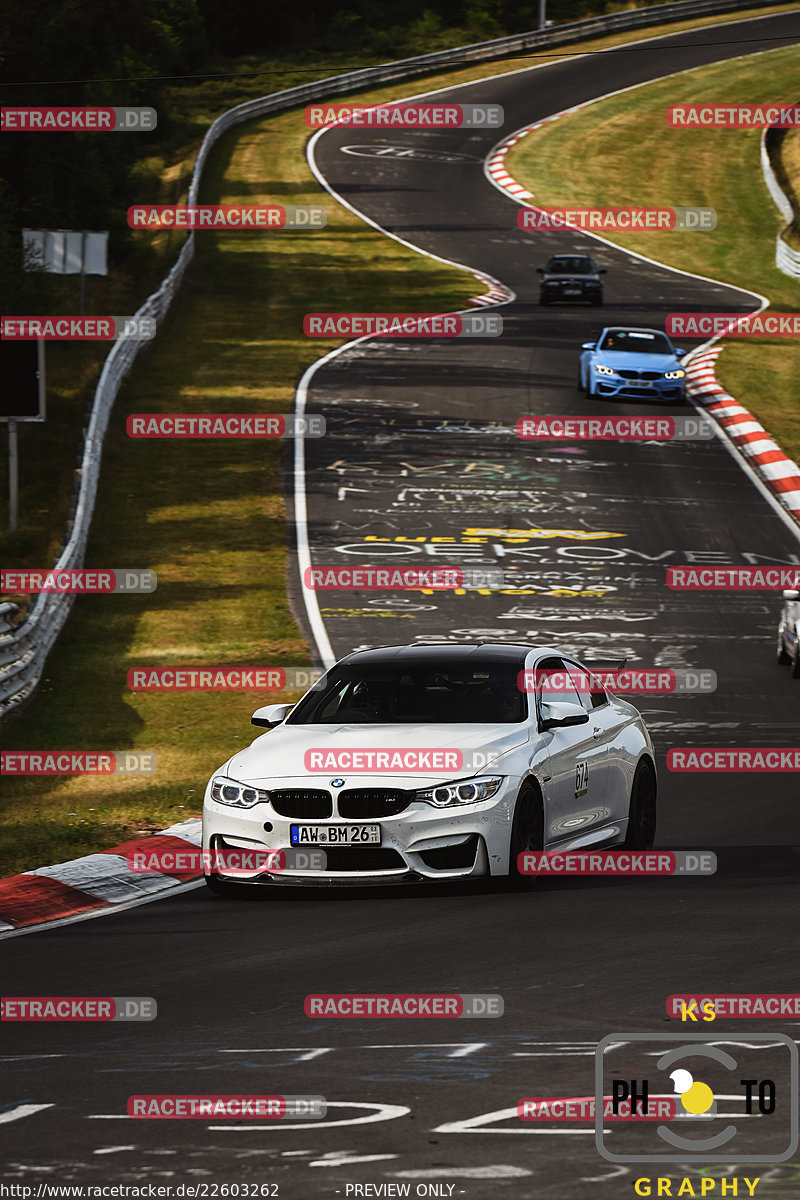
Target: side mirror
588, 346
679, 353
540, 270
603, 271
558, 716
790, 594
271, 715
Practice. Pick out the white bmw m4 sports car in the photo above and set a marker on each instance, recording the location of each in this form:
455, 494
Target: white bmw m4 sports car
425, 762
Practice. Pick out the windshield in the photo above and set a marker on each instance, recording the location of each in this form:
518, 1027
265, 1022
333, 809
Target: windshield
570, 266
458, 694
634, 341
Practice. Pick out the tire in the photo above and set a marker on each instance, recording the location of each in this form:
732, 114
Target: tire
579, 384
598, 301
543, 300
642, 811
527, 833
587, 391
782, 658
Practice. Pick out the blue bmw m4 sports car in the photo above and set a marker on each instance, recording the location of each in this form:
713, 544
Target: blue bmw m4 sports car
628, 362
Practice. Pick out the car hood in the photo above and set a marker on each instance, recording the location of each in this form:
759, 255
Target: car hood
630, 361
280, 754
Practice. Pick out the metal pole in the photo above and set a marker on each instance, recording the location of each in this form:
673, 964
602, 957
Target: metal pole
542, 6
13, 476
83, 262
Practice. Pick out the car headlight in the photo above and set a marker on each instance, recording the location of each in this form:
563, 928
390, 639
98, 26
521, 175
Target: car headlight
467, 791
674, 374
604, 370
238, 795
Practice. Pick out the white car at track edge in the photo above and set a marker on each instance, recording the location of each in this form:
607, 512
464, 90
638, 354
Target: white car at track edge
428, 762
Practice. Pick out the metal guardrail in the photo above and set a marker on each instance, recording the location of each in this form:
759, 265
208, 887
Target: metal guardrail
24, 648
786, 258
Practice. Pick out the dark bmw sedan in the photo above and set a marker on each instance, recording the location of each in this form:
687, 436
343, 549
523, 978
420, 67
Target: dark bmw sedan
571, 277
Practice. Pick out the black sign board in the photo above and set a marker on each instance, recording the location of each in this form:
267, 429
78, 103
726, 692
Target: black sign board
21, 381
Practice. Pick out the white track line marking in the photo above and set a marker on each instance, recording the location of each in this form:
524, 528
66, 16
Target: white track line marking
22, 1110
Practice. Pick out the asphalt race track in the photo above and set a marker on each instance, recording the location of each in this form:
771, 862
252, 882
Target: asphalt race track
421, 446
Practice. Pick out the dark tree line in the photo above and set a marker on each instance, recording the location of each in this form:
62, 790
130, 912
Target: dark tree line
109, 52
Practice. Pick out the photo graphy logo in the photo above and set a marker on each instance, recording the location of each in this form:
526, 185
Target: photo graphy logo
737, 1098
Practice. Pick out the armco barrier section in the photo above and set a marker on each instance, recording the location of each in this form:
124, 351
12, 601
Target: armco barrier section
25, 646
786, 259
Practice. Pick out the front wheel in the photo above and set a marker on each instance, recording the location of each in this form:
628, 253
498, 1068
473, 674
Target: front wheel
527, 833
642, 811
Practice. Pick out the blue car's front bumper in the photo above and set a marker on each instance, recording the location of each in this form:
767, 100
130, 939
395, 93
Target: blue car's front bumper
651, 389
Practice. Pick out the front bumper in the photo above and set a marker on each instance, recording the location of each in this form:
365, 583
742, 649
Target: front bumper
666, 389
418, 844
571, 291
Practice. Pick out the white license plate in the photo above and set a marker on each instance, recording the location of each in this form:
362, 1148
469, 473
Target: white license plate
336, 835
641, 383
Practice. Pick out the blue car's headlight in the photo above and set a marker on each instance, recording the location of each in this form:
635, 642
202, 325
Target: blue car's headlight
604, 370
238, 795
674, 374
467, 791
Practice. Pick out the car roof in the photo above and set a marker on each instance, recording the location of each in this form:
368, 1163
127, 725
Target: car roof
448, 652
585, 257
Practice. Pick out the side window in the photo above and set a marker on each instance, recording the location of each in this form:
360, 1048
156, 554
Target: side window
588, 686
583, 684
554, 684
